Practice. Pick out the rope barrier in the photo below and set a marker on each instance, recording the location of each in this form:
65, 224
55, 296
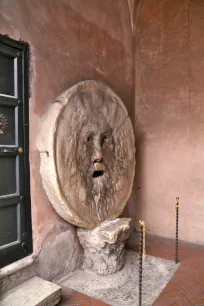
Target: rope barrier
163, 228
156, 230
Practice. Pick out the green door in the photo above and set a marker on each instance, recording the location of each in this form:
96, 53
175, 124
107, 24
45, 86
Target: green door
15, 215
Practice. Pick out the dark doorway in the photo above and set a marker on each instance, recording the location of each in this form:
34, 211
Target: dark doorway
15, 212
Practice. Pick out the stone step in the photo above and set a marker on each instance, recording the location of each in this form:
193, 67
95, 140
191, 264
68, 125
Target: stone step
34, 292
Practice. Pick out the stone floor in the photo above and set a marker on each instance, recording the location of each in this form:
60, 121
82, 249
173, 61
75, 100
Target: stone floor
186, 288
121, 288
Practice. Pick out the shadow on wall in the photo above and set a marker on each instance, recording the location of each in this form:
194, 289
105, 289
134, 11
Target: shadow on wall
133, 208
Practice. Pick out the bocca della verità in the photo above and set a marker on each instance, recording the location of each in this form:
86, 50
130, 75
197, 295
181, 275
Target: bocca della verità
87, 152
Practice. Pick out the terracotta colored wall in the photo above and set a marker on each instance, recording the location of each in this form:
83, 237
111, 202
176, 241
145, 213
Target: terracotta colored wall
169, 114
71, 41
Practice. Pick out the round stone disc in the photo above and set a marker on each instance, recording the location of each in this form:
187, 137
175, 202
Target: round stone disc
87, 152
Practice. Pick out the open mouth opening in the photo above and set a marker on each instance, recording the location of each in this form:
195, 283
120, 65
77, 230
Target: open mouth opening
97, 173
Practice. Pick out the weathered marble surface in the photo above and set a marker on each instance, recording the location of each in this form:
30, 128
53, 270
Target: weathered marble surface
87, 150
17, 273
34, 292
104, 246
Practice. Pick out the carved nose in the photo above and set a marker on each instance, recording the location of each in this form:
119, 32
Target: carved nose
98, 158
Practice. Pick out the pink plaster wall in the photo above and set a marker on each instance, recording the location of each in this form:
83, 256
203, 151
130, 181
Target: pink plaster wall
71, 41
169, 114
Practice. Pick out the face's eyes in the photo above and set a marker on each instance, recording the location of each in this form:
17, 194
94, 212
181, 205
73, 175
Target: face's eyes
104, 140
88, 139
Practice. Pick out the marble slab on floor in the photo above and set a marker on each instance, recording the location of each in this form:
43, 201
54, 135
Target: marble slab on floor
34, 292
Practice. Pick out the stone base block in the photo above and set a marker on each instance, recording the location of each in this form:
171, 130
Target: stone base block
104, 246
34, 292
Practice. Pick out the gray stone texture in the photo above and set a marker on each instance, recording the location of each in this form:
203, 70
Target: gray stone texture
121, 288
104, 246
17, 277
60, 254
34, 292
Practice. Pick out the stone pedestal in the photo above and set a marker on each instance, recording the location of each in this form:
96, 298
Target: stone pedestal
104, 246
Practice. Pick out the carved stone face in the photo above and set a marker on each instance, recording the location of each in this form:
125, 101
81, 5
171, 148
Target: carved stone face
95, 158
91, 154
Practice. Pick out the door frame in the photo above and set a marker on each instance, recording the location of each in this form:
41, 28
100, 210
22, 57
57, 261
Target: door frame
24, 50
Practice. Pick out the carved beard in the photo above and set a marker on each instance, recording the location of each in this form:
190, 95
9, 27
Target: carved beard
98, 188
